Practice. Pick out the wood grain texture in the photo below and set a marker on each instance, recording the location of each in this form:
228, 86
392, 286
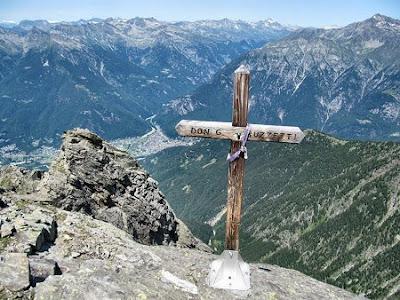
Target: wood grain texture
236, 168
225, 131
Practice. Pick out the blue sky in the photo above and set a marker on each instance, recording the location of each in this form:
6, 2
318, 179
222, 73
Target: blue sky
295, 12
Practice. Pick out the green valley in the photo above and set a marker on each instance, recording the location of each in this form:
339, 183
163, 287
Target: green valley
326, 207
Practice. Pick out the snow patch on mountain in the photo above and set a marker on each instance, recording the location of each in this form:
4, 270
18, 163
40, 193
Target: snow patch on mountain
363, 122
372, 44
391, 110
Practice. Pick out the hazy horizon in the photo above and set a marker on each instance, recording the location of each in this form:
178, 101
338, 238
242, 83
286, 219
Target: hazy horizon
327, 26
311, 13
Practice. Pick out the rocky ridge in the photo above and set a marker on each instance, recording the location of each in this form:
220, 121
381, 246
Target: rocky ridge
79, 232
93, 177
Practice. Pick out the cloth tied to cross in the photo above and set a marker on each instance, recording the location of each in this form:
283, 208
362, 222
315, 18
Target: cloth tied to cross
243, 148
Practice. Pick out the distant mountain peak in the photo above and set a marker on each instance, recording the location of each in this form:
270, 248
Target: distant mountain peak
143, 22
382, 21
8, 22
380, 17
30, 24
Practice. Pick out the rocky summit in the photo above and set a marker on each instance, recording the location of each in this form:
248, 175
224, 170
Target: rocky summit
96, 226
93, 177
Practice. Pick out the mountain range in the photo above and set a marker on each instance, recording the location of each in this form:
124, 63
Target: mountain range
109, 75
112, 75
344, 81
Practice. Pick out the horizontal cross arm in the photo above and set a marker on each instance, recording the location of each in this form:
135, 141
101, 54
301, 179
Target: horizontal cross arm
225, 130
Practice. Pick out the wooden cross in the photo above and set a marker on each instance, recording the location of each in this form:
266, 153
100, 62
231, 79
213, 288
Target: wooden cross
234, 131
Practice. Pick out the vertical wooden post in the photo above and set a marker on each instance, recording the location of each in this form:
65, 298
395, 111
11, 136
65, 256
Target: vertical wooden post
236, 168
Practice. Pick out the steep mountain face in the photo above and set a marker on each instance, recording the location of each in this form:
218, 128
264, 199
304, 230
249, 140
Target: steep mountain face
109, 75
326, 207
343, 81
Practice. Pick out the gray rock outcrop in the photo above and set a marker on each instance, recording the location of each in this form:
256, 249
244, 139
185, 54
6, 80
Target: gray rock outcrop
23, 232
93, 177
14, 179
14, 272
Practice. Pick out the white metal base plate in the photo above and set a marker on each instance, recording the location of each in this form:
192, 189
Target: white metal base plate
229, 272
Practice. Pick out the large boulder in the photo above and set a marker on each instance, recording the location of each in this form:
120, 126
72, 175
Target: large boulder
93, 177
15, 179
26, 230
14, 272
